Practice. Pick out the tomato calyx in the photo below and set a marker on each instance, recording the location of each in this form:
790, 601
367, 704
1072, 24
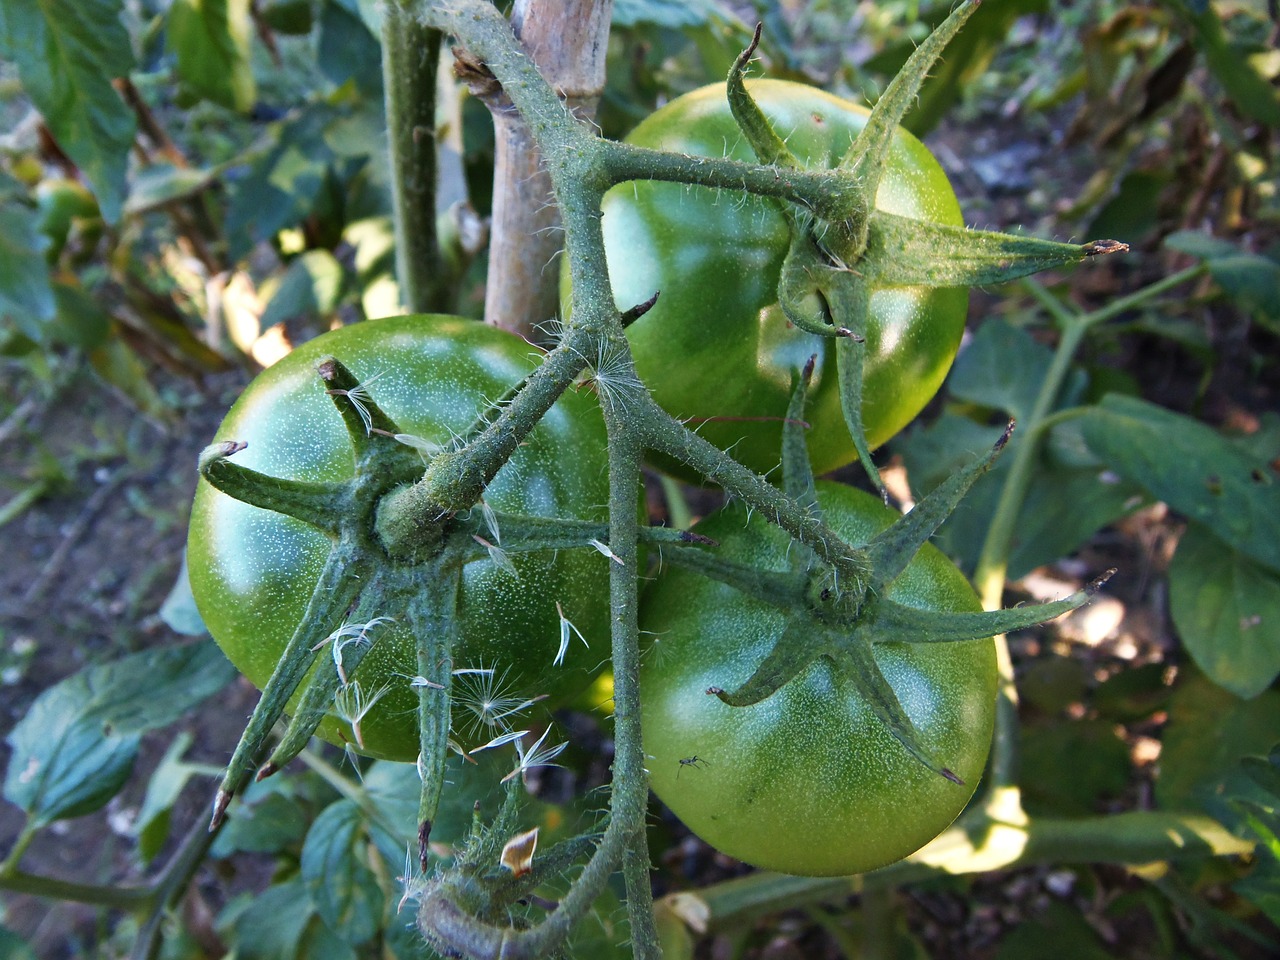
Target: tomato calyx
843, 247
840, 621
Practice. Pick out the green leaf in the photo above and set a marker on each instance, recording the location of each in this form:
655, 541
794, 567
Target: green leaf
67, 53
967, 57
1203, 246
310, 286
1262, 888
1071, 495
1069, 769
13, 947
179, 611
1210, 730
163, 183
282, 184
211, 41
670, 14
62, 764
116, 363
1192, 468
347, 51
1227, 611
1248, 89
336, 871
1252, 281
80, 320
267, 820
25, 294
155, 688
281, 922
1002, 368
1060, 925
163, 790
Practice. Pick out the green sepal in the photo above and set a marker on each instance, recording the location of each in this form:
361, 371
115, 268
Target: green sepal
322, 685
764, 140
524, 534
336, 591
797, 471
850, 300
867, 156
890, 622
808, 278
319, 504
902, 251
794, 650
433, 621
858, 664
783, 590
372, 433
895, 546
803, 282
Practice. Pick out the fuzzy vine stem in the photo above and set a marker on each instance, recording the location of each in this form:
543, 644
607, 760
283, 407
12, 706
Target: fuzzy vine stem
410, 57
993, 561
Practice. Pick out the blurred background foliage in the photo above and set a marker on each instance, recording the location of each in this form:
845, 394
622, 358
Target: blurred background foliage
164, 235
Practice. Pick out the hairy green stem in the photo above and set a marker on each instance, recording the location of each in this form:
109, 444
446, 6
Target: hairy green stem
630, 778
993, 561
1127, 838
410, 56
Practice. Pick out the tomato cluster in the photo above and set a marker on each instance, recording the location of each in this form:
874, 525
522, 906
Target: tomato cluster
809, 780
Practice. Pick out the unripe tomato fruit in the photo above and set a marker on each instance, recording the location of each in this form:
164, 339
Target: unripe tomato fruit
252, 570
808, 781
716, 349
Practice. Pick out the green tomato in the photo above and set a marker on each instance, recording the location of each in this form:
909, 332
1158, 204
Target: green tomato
808, 781
716, 349
252, 570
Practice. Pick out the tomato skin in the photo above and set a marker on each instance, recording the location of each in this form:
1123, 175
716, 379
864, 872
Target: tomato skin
252, 570
808, 781
716, 344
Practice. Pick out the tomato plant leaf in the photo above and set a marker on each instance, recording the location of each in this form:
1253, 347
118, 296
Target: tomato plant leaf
336, 872
282, 184
1192, 468
310, 286
13, 947
161, 183
67, 51
1069, 768
1198, 770
25, 294
269, 819
281, 922
63, 764
163, 789
1003, 367
210, 39
154, 688
75, 747
1226, 608
348, 51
